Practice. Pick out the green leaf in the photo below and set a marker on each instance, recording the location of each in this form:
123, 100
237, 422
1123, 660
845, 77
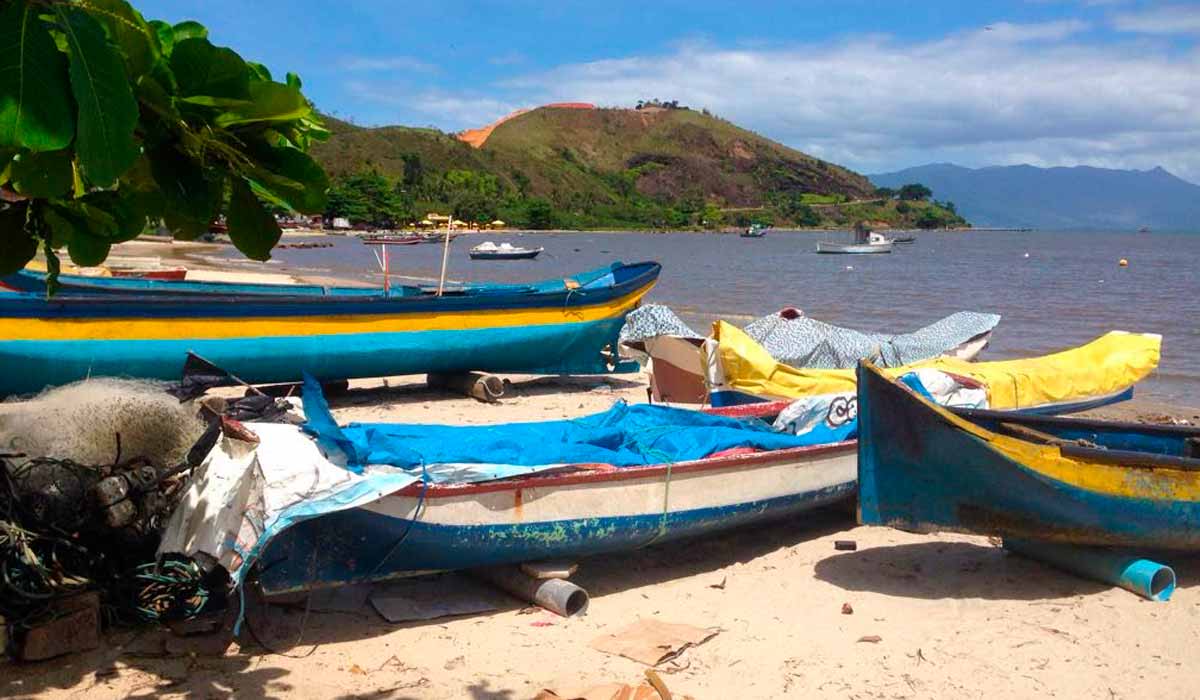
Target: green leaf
108, 113
219, 102
190, 196
125, 209
251, 227
35, 98
6, 166
189, 29
46, 175
166, 35
85, 248
130, 31
203, 69
259, 71
271, 102
290, 174
17, 247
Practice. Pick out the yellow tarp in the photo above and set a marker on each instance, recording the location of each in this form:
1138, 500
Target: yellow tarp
1108, 365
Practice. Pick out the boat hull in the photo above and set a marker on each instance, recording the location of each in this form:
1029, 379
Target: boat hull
523, 255
853, 248
569, 515
259, 340
922, 469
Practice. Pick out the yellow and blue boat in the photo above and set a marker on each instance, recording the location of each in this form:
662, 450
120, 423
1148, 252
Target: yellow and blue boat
564, 326
924, 468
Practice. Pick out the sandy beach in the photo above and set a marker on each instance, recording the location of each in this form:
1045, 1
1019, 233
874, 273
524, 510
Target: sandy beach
904, 616
956, 616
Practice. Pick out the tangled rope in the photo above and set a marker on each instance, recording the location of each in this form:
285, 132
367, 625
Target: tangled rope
66, 528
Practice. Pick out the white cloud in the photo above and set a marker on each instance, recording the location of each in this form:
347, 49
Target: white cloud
387, 63
449, 111
1171, 19
877, 103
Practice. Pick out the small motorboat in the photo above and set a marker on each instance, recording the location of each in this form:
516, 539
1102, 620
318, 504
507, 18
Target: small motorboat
923, 468
906, 238
755, 231
873, 243
505, 251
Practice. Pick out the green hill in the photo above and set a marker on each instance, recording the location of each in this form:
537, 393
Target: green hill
599, 168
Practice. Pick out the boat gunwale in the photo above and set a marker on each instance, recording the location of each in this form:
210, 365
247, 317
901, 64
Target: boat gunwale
976, 414
610, 473
135, 305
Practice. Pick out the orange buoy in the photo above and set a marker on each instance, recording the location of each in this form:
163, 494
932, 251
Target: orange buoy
1123, 262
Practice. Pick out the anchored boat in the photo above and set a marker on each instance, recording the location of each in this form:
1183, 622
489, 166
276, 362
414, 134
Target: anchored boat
923, 468
565, 326
871, 243
505, 251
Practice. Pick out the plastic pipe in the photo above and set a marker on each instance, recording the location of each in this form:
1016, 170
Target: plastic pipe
1148, 579
478, 385
554, 594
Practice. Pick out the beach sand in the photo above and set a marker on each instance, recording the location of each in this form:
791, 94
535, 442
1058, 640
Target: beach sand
955, 616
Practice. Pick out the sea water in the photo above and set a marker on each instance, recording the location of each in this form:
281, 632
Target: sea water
1054, 290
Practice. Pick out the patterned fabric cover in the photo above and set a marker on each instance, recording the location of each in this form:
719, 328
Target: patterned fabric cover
800, 341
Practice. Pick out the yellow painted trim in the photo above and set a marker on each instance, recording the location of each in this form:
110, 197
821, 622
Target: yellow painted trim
1158, 484
275, 327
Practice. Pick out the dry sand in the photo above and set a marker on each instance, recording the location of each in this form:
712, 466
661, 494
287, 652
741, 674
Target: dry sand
956, 616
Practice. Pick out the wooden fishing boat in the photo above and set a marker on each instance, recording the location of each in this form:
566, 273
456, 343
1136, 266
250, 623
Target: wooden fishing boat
505, 251
564, 326
1100, 372
34, 281
166, 274
923, 468
575, 511
392, 239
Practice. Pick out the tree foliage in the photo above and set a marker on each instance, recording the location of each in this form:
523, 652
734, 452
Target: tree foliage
369, 198
109, 122
913, 192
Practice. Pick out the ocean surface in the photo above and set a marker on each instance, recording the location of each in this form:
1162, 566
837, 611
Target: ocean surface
1053, 289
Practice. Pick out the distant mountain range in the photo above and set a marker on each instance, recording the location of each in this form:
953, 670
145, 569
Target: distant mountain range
1059, 198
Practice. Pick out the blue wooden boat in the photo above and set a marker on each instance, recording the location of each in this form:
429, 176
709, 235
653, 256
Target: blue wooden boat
34, 282
572, 511
923, 468
567, 326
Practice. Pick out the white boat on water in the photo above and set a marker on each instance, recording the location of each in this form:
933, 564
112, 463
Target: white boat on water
870, 243
505, 251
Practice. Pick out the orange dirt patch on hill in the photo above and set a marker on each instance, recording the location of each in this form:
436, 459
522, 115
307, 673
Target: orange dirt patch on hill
477, 137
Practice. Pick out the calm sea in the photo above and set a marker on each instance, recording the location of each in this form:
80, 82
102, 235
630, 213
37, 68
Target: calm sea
1054, 290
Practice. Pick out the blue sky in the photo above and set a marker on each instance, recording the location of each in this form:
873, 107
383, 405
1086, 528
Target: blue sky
875, 86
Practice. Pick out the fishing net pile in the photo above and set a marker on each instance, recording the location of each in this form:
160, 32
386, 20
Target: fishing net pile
89, 473
84, 421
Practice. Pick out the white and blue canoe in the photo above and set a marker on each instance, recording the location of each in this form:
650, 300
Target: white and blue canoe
572, 511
